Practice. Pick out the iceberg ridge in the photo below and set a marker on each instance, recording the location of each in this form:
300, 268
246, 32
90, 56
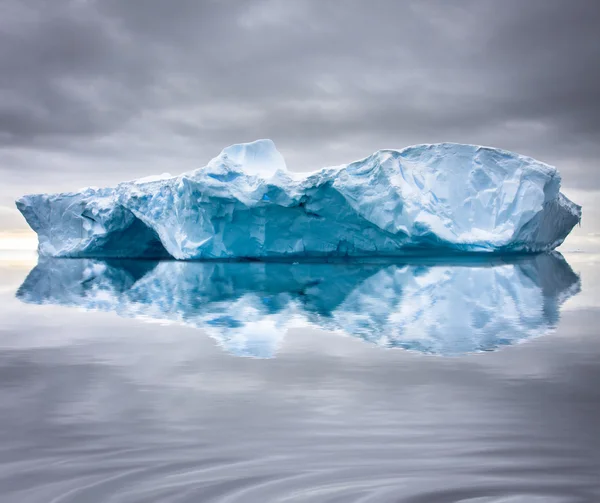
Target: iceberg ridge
438, 198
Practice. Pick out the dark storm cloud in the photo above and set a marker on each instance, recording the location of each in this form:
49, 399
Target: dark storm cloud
92, 92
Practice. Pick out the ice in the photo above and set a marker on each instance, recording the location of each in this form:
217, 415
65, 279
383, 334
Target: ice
426, 199
448, 308
259, 158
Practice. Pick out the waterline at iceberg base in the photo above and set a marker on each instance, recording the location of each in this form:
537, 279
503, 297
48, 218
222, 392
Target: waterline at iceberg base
244, 204
449, 308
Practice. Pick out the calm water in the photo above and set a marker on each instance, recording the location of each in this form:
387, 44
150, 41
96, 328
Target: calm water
427, 382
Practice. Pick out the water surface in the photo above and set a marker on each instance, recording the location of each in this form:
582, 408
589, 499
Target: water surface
434, 382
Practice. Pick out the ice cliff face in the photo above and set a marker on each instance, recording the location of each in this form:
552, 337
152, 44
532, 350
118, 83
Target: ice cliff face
437, 198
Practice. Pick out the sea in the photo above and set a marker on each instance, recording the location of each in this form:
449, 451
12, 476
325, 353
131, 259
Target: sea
417, 381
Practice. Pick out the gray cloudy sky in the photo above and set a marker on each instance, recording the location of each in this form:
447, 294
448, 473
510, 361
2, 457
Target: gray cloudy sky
93, 92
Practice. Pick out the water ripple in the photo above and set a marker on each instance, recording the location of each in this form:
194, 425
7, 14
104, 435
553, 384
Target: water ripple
351, 468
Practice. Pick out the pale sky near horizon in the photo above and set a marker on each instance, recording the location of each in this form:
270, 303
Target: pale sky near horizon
93, 92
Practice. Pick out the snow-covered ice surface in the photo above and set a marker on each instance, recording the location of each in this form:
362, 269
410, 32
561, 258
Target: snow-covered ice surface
439, 198
448, 308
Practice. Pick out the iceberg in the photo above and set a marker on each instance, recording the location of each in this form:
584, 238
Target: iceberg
245, 204
442, 308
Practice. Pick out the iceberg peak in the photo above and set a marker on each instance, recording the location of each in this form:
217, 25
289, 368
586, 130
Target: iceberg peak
259, 158
425, 199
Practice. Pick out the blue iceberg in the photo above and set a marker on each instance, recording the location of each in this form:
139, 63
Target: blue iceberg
445, 308
245, 204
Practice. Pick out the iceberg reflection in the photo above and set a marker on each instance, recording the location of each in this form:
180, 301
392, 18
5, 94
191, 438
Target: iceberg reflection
448, 308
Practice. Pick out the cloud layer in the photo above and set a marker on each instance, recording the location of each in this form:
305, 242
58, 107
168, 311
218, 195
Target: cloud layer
93, 92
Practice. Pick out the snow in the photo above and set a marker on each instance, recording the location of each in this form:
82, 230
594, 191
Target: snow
448, 308
153, 178
425, 199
